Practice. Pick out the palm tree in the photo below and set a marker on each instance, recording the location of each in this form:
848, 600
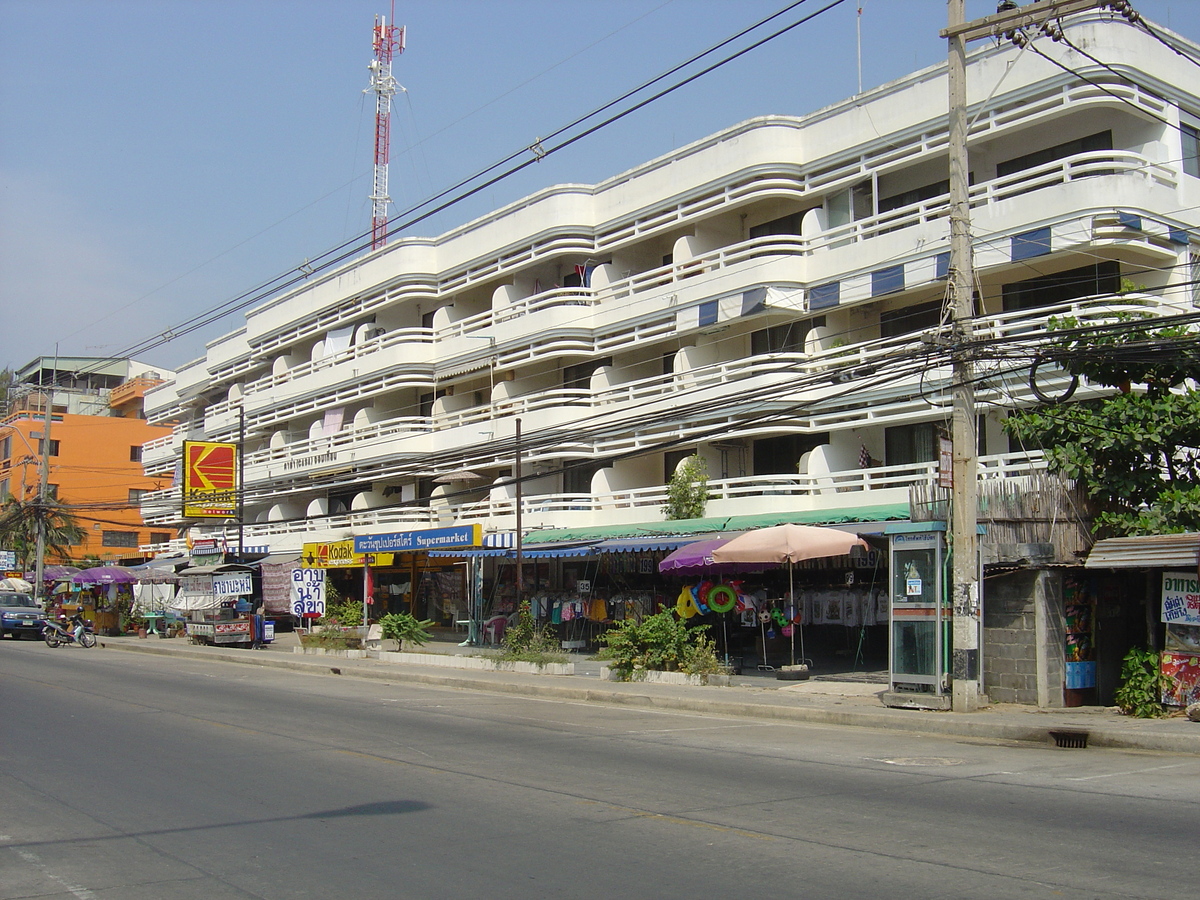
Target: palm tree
19, 529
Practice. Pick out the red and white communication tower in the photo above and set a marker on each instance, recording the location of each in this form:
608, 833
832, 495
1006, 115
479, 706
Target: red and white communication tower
389, 41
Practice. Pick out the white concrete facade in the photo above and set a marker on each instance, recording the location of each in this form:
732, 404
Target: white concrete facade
768, 297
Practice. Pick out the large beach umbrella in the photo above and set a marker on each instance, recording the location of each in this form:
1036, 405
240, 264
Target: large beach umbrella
20, 585
787, 545
105, 575
697, 557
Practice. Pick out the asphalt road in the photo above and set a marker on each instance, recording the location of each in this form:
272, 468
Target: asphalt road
129, 776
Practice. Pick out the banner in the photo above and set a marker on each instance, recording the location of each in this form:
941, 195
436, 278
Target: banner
210, 480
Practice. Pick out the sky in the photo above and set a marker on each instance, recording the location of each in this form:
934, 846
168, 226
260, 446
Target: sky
159, 158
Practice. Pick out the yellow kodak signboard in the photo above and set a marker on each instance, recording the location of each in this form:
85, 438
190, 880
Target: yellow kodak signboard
338, 555
210, 480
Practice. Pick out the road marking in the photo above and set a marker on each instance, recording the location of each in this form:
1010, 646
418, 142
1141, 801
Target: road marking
75, 890
1133, 772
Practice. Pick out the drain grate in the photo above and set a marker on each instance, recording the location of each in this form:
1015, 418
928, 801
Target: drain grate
1072, 740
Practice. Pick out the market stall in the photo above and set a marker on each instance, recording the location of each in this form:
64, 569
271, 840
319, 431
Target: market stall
216, 601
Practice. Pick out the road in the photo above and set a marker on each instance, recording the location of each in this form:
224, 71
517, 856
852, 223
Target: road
130, 776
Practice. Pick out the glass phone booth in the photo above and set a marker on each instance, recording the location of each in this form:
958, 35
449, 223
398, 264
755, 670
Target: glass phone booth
920, 613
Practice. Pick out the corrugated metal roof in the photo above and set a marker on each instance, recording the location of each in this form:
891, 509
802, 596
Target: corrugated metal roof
1148, 551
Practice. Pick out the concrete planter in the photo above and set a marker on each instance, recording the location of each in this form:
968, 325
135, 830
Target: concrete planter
653, 677
478, 663
324, 651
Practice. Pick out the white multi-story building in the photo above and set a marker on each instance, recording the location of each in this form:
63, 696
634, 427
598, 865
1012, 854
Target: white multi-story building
768, 297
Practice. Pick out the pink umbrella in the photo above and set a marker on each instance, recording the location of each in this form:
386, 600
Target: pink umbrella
788, 544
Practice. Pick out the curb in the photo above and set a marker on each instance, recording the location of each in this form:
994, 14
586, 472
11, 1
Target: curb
982, 726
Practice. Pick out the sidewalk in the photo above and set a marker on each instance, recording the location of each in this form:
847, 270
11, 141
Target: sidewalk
854, 703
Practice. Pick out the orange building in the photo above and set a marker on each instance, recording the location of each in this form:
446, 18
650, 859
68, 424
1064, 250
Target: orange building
96, 434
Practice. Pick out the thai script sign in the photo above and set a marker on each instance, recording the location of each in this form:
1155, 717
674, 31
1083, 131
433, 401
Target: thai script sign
430, 539
308, 593
1181, 598
210, 480
232, 584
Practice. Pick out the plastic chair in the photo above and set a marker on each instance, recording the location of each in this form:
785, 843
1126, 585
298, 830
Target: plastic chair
494, 628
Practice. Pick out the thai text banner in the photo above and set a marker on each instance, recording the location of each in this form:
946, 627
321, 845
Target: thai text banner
1181, 598
431, 539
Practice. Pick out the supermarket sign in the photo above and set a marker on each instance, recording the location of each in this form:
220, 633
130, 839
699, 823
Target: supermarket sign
1181, 598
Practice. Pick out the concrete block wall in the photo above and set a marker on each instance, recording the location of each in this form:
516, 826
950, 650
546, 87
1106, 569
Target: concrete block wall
1022, 638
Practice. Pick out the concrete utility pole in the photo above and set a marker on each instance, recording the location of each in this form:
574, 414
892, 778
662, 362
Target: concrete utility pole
965, 593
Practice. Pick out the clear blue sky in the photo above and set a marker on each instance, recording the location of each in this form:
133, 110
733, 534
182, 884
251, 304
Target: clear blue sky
160, 157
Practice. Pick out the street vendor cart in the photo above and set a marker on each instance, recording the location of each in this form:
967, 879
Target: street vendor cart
216, 601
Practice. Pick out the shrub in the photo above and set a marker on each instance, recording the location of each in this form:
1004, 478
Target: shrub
662, 642
1142, 685
405, 628
526, 641
333, 637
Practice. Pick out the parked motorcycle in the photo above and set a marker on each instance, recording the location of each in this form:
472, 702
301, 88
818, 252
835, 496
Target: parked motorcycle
76, 630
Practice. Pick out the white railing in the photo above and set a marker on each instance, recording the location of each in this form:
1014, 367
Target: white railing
406, 336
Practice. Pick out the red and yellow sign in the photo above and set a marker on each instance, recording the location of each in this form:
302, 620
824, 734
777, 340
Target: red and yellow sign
339, 555
210, 480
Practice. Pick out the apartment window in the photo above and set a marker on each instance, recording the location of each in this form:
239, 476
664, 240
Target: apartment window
136, 495
135, 453
1195, 276
580, 376
916, 195
160, 537
577, 478
781, 455
1191, 150
1062, 287
4, 494
783, 225
51, 492
5, 447
671, 461
118, 538
786, 338
1101, 140
906, 445
41, 447
919, 317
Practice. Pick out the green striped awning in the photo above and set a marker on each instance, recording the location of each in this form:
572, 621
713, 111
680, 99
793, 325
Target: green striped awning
883, 513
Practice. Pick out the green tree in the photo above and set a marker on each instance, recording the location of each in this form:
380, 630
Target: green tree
19, 529
1136, 452
687, 491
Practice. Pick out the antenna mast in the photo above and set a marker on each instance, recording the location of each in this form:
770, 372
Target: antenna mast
388, 41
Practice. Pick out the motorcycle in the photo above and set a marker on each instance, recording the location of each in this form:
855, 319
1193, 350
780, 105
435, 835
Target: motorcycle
56, 634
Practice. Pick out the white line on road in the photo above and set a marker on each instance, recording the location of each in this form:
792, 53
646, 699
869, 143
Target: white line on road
76, 890
1119, 774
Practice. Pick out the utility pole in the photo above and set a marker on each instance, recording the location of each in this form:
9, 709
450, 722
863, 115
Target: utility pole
39, 587
965, 594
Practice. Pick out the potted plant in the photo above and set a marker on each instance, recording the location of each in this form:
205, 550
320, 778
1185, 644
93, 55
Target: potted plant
402, 627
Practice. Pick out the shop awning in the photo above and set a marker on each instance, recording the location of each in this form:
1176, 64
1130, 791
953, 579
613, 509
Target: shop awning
679, 527
468, 554
1147, 551
645, 544
276, 559
543, 550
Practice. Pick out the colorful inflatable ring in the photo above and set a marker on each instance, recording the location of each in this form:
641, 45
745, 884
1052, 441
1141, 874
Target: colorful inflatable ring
718, 605
685, 605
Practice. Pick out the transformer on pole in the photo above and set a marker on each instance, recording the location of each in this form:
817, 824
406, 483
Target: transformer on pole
388, 41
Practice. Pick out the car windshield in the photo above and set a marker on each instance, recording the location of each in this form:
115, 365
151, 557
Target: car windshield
17, 600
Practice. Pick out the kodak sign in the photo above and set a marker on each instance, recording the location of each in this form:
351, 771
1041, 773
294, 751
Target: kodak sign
210, 480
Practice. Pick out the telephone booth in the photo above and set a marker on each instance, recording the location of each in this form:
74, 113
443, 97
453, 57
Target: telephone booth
920, 640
